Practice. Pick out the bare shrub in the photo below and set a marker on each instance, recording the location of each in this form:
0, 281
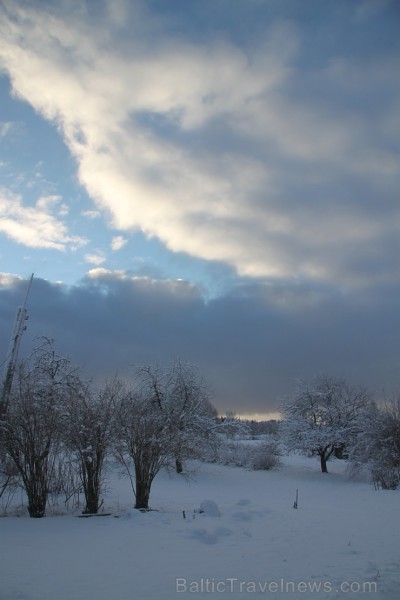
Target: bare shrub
378, 445
88, 434
32, 426
266, 456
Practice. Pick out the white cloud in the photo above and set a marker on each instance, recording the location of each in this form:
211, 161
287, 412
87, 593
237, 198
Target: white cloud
47, 203
5, 128
118, 242
211, 147
100, 272
9, 279
63, 210
35, 226
178, 288
95, 259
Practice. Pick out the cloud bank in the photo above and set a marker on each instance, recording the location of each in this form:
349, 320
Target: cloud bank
251, 344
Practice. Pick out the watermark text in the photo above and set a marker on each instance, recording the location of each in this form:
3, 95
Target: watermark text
232, 585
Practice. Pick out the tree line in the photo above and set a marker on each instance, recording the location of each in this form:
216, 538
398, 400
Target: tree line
56, 427
54, 417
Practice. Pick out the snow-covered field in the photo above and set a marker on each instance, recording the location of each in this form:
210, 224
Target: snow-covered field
343, 541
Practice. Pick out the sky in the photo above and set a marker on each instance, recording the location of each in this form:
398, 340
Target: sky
214, 181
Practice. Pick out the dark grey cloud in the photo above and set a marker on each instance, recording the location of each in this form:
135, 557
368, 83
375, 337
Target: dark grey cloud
250, 344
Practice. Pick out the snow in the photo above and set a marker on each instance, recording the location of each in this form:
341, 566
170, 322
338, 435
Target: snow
209, 508
249, 542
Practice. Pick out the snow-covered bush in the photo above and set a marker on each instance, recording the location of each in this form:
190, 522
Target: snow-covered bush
32, 426
378, 446
165, 418
253, 455
180, 397
142, 443
233, 453
88, 433
386, 477
266, 456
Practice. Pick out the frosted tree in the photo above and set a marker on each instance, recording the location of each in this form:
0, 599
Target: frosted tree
32, 427
323, 416
88, 434
378, 445
183, 398
165, 419
142, 443
191, 414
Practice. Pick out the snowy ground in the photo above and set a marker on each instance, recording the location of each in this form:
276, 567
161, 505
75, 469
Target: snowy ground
343, 540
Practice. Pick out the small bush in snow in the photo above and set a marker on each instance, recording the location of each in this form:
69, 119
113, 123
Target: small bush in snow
241, 453
385, 477
266, 456
234, 453
378, 445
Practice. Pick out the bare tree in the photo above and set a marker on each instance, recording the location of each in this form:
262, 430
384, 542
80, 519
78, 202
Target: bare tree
183, 398
142, 445
88, 433
163, 421
323, 416
32, 428
193, 416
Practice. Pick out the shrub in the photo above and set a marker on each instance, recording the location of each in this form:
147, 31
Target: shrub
266, 456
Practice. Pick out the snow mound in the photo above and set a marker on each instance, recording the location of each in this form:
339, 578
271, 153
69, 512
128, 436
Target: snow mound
209, 508
132, 513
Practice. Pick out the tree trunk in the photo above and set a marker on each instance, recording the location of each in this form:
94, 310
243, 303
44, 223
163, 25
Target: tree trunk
178, 465
324, 467
37, 505
92, 504
92, 499
142, 492
325, 454
91, 489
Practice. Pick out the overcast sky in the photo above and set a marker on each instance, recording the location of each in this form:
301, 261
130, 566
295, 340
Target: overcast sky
213, 180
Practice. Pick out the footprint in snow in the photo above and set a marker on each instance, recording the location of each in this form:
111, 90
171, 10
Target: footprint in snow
243, 502
242, 515
210, 536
